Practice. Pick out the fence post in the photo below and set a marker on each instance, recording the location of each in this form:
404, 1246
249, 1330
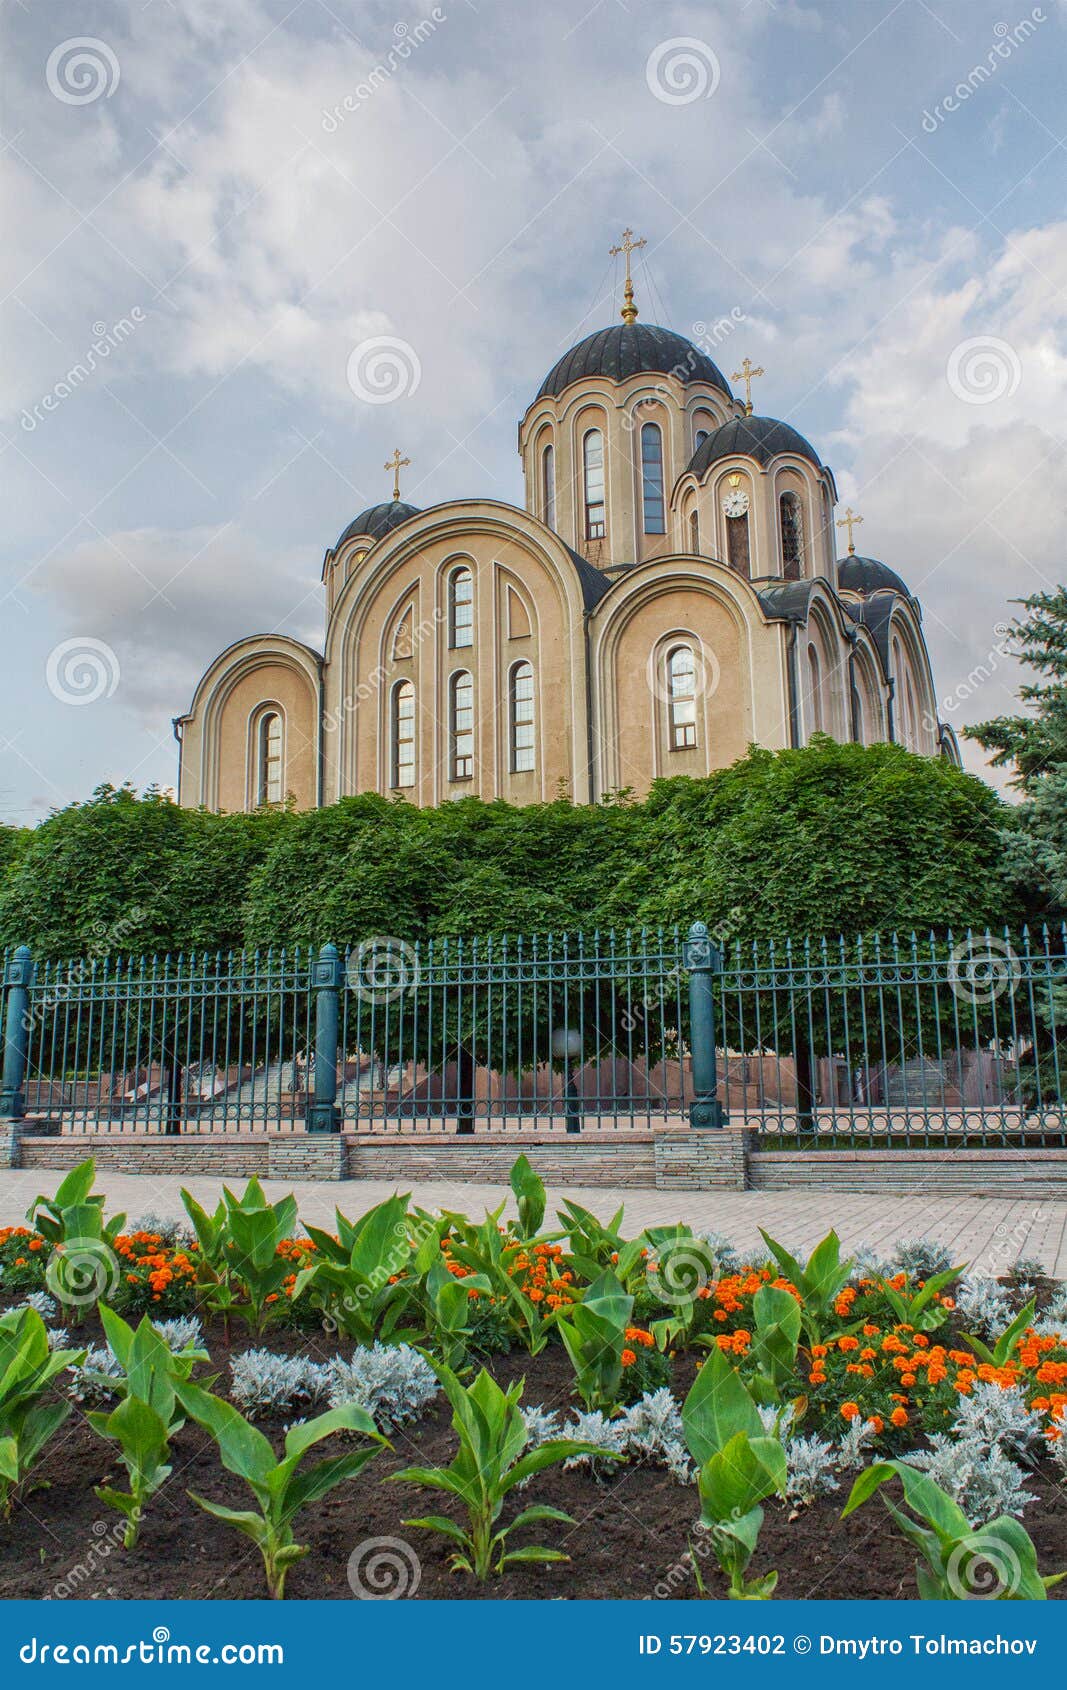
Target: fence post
703, 960
323, 1116
17, 978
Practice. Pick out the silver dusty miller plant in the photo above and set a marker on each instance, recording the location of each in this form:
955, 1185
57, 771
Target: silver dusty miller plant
264, 1383
984, 1307
648, 1433
393, 1382
984, 1481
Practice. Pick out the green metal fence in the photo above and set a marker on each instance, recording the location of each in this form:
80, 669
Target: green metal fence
882, 1041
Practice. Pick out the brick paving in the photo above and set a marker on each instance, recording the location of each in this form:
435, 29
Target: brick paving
988, 1232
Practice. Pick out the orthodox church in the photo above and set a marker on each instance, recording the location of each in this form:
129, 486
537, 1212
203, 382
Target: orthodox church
669, 594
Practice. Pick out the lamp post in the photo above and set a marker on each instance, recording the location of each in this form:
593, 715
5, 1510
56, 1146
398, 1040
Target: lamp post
567, 1045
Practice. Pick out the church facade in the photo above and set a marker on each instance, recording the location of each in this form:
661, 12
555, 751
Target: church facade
671, 593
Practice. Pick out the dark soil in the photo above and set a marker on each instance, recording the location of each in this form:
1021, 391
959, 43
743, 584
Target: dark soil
629, 1538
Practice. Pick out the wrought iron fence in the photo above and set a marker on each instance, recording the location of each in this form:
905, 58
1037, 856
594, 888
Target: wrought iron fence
881, 1041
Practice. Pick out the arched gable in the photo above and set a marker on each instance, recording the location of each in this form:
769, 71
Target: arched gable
217, 735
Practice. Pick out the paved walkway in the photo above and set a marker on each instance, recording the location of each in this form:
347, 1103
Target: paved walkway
988, 1232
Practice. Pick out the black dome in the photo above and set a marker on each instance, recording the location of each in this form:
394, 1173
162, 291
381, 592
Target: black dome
379, 520
627, 350
866, 575
762, 438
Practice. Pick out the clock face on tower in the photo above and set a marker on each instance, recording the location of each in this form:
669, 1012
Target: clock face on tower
735, 503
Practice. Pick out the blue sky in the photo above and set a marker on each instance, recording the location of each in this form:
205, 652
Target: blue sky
229, 200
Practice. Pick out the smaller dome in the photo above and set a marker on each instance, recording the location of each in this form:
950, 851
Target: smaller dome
379, 520
867, 575
762, 438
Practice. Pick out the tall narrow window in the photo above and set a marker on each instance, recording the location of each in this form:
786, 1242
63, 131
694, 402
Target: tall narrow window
595, 507
681, 698
548, 487
652, 479
521, 718
815, 681
402, 735
737, 551
461, 726
694, 533
460, 608
699, 438
270, 775
791, 520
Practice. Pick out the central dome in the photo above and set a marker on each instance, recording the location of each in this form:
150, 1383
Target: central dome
629, 349
379, 520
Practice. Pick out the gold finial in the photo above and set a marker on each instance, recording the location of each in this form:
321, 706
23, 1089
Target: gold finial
849, 521
629, 309
748, 373
396, 464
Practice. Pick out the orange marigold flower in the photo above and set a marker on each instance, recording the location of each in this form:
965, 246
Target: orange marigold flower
628, 1358
899, 1417
850, 1410
848, 1343
876, 1422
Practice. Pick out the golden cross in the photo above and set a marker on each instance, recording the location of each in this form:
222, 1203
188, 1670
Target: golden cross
629, 309
849, 521
747, 373
396, 464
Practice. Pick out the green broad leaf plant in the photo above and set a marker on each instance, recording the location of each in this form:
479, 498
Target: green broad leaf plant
1002, 1350
82, 1264
739, 1465
280, 1487
820, 1280
960, 1562
239, 1245
594, 1336
365, 1281
28, 1369
487, 1467
147, 1416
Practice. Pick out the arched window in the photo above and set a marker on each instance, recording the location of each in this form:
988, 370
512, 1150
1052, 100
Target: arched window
460, 608
815, 680
737, 549
548, 487
521, 718
699, 438
652, 479
681, 698
270, 778
694, 533
461, 726
791, 521
595, 507
402, 735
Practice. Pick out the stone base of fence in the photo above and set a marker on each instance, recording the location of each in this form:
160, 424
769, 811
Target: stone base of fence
704, 1161
957, 1171
669, 1159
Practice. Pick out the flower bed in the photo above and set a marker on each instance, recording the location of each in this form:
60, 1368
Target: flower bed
671, 1420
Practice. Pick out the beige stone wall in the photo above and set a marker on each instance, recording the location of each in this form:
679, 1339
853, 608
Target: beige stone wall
619, 411
527, 607
219, 755
741, 672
